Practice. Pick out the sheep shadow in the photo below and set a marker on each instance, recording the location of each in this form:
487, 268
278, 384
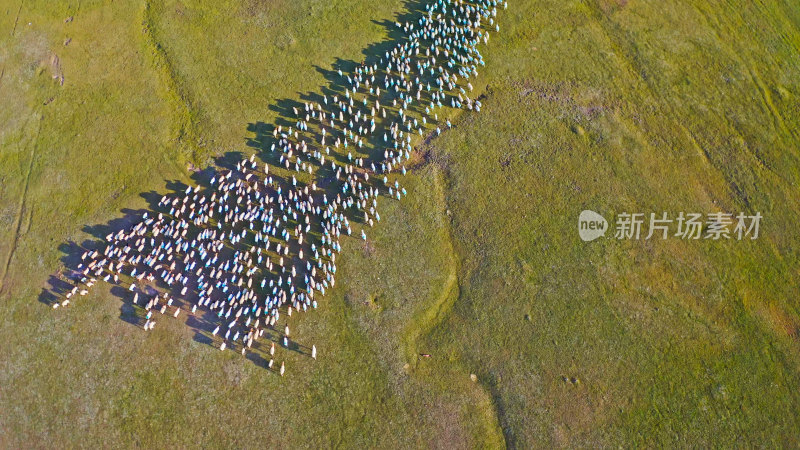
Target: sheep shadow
203, 322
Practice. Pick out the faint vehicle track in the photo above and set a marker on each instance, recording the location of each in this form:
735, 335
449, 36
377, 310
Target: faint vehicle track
184, 116
16, 19
21, 208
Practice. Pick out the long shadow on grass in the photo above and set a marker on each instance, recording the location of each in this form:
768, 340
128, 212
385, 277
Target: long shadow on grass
336, 86
289, 112
203, 321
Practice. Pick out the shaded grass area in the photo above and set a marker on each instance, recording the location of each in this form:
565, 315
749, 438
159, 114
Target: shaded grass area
604, 105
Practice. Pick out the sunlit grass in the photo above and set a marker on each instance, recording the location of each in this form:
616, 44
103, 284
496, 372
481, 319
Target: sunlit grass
605, 105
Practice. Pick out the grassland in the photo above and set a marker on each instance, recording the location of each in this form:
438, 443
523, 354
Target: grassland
606, 105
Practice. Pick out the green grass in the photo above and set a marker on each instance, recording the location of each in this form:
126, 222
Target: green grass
605, 105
